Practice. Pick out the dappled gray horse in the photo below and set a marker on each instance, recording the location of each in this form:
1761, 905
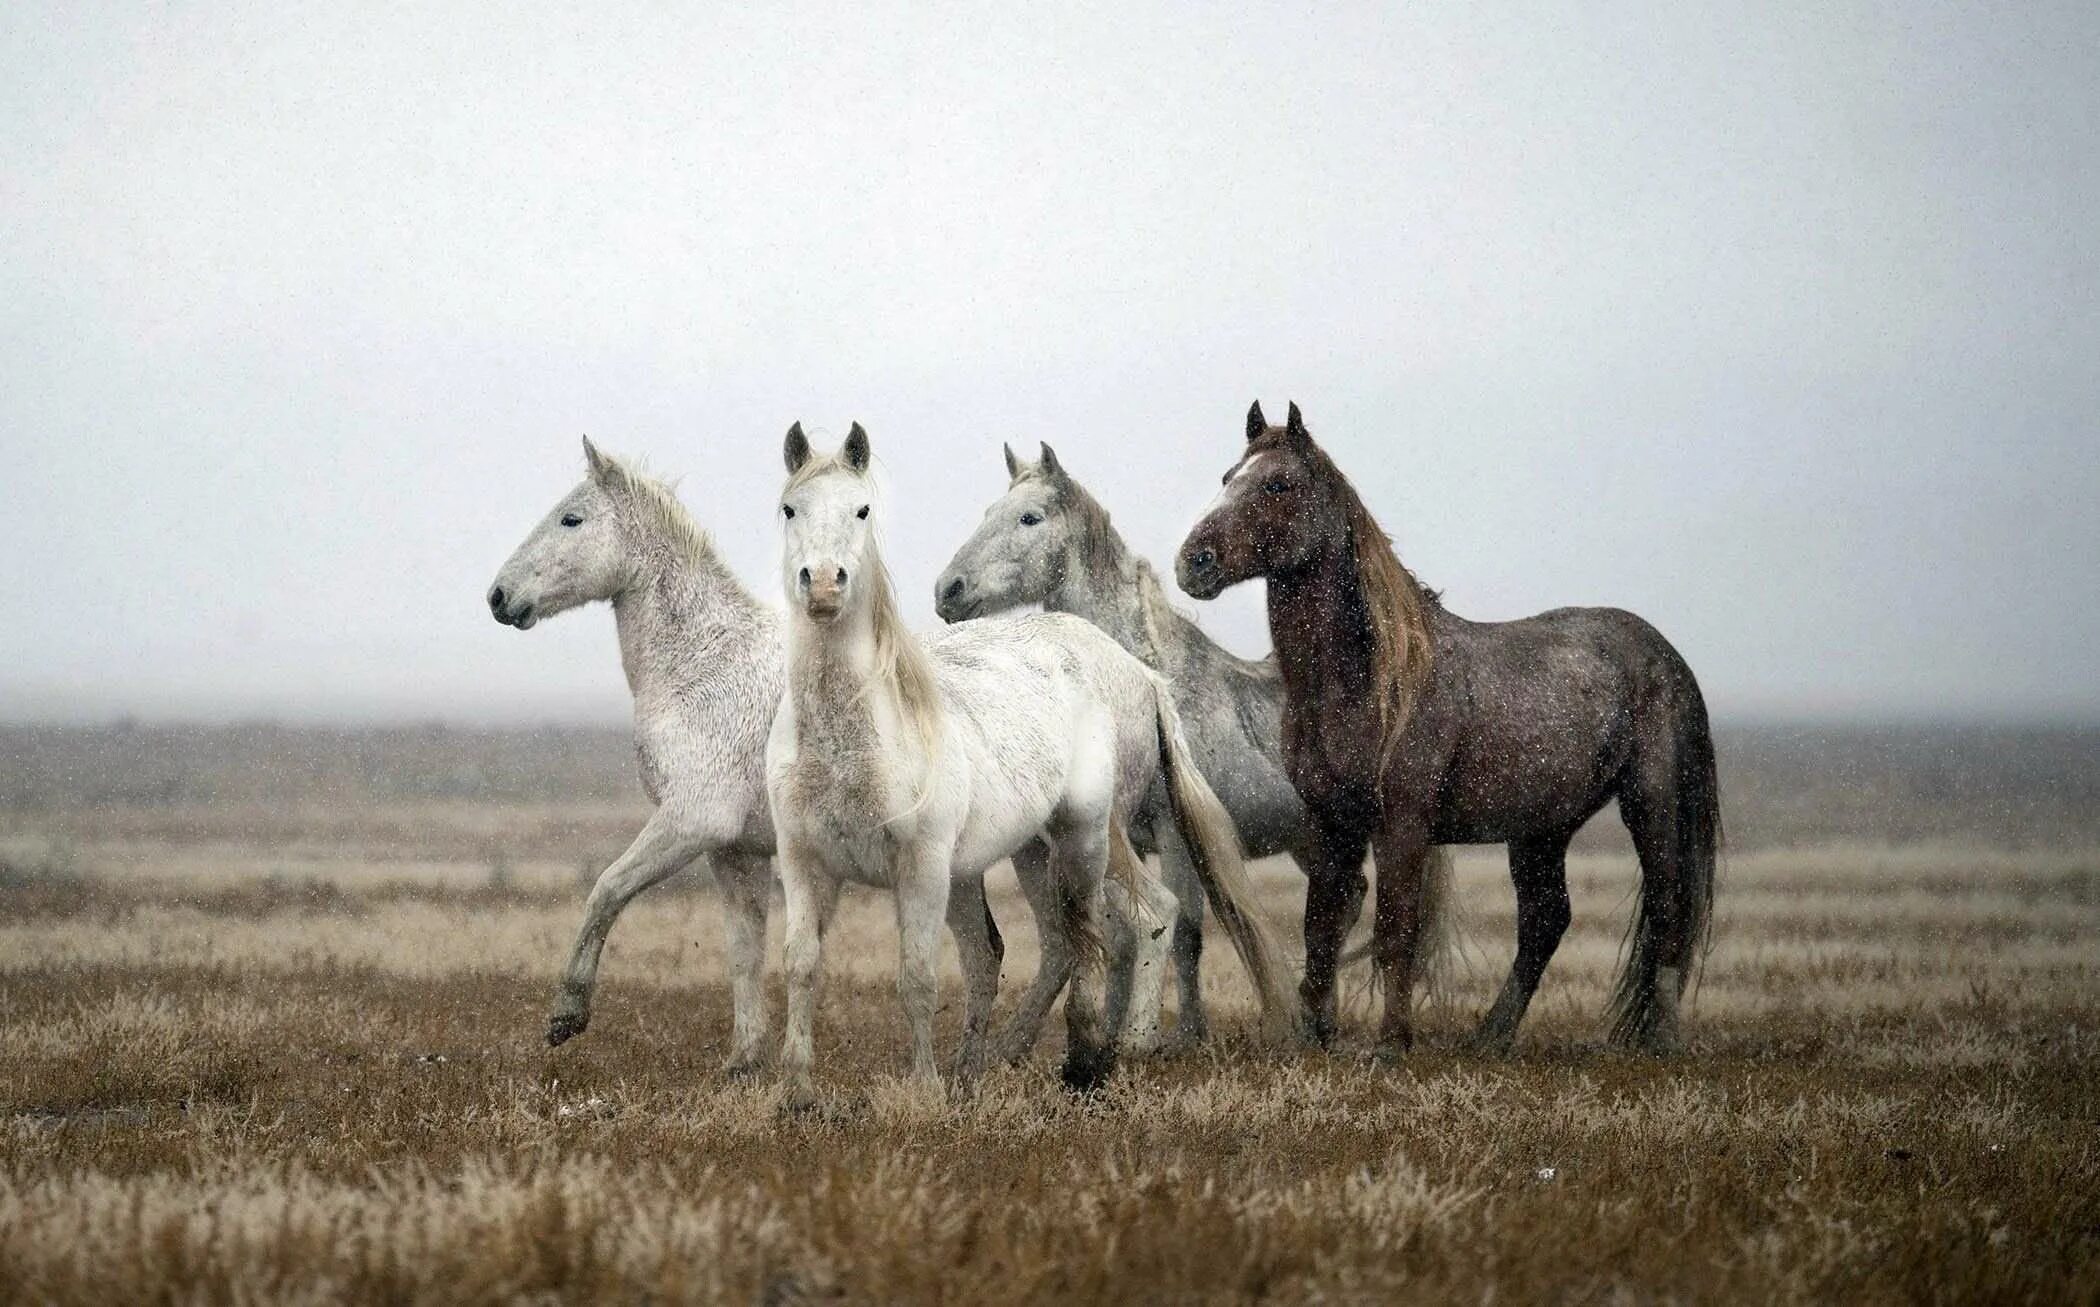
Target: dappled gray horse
704, 662
1048, 541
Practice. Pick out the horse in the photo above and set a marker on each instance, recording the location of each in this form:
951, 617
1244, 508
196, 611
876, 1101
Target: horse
1047, 540
1408, 726
911, 764
705, 664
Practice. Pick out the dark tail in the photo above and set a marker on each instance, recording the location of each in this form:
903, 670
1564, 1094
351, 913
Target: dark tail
1697, 798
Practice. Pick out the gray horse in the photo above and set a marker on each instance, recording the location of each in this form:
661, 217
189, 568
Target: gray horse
1048, 541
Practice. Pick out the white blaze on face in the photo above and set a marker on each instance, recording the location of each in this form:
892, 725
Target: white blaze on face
1248, 473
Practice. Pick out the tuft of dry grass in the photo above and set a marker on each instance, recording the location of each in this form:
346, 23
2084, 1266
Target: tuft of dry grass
289, 1093
294, 1056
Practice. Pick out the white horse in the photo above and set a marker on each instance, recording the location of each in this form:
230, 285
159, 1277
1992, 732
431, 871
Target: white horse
909, 765
704, 662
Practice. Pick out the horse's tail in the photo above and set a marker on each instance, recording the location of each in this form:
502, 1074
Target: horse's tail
1214, 850
1689, 887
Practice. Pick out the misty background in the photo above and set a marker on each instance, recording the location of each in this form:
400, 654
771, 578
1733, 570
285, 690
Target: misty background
1776, 325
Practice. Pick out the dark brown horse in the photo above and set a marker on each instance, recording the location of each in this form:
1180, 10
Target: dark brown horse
1407, 726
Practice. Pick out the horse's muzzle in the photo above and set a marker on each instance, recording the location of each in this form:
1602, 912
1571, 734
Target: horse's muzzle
499, 608
952, 599
1197, 572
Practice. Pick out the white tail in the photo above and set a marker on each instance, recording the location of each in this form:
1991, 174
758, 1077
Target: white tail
1214, 848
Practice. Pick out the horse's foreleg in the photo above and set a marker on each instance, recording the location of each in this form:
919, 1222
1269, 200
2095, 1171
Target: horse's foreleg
1538, 868
809, 893
655, 854
747, 888
980, 950
1018, 1038
922, 904
1334, 895
1402, 850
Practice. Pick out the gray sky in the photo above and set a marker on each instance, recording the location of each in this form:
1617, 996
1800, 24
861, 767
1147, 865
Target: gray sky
1778, 325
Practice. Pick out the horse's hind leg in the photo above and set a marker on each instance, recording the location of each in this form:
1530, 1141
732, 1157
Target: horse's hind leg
1139, 912
1660, 946
1017, 1038
747, 888
980, 950
1079, 852
1538, 867
1191, 1026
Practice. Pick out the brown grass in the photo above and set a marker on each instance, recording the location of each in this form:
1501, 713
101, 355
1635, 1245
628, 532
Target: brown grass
291, 1068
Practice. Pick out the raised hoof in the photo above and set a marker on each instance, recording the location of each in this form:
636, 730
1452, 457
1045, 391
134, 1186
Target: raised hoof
1087, 1070
565, 1026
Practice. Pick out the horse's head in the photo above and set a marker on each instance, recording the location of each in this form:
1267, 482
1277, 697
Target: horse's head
1272, 517
827, 517
1017, 555
576, 554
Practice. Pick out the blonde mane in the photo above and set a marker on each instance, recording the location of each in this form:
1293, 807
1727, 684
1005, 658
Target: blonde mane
901, 662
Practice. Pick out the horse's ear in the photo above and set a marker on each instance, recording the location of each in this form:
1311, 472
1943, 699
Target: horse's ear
1013, 465
1050, 466
597, 462
796, 451
1256, 423
856, 450
1296, 424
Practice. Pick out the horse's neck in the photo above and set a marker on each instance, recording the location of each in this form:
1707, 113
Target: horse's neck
683, 621
1319, 625
831, 669
1121, 594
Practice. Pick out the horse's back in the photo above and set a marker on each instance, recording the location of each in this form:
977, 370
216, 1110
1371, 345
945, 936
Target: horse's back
1543, 714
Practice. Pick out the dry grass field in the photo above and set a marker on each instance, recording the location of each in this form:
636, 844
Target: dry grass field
270, 1013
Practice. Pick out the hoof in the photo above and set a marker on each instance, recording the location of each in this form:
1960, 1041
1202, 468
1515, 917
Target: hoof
800, 1099
1490, 1043
740, 1069
565, 1026
1010, 1051
1662, 1043
1388, 1052
1087, 1070
1319, 1030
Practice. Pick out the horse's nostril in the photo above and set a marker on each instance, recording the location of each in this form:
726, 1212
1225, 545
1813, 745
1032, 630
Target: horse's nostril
805, 576
842, 576
954, 589
496, 599
1203, 558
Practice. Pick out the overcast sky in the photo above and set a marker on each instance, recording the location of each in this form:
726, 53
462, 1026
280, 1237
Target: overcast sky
1777, 324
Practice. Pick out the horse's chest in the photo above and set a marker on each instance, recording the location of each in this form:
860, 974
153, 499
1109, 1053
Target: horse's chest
843, 790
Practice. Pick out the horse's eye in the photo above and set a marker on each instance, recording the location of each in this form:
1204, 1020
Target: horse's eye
863, 513
1031, 519
570, 519
1275, 487
787, 510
